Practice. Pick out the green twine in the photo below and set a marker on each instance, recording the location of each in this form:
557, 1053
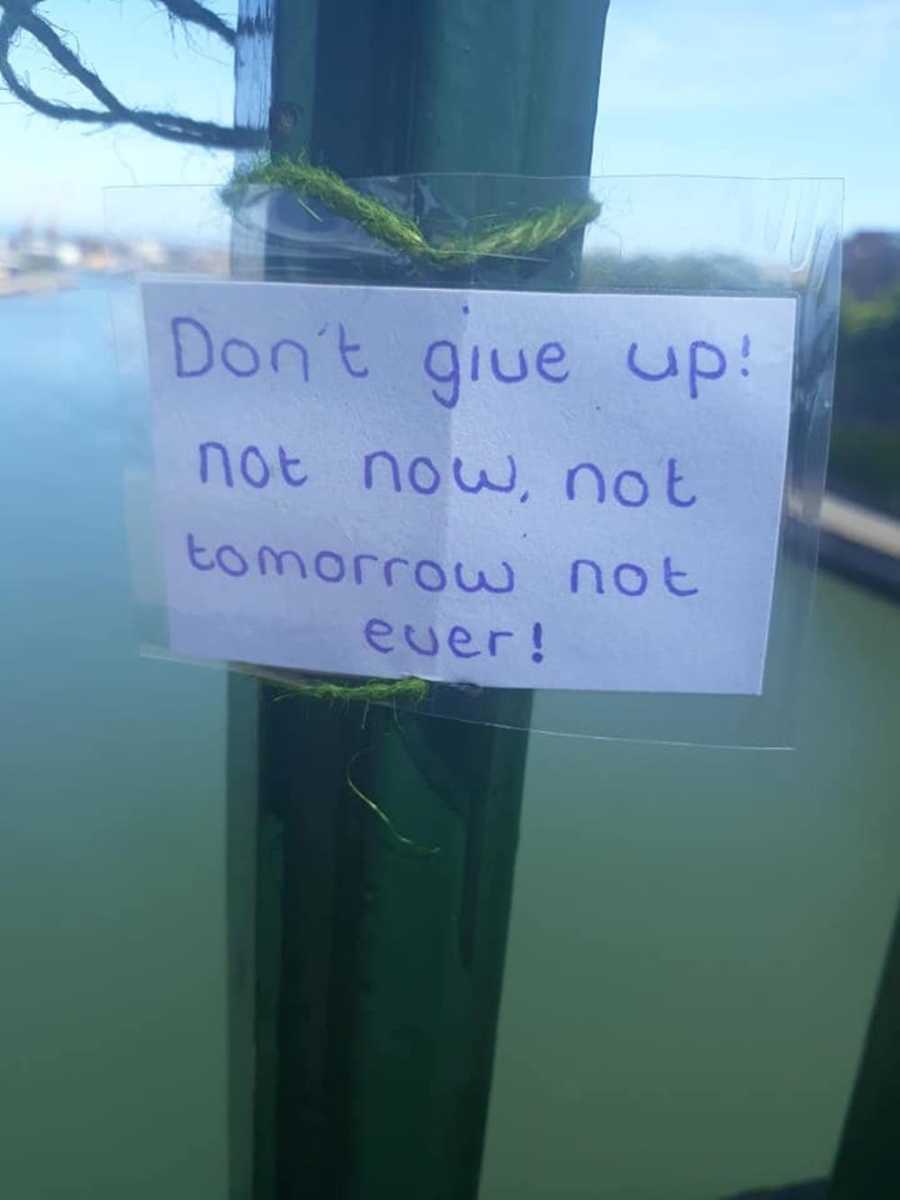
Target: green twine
373, 691
503, 239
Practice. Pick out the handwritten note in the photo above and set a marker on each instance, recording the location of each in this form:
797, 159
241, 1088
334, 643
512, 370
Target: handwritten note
509, 489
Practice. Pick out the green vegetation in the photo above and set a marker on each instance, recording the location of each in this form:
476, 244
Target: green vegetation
373, 691
682, 273
868, 370
865, 464
865, 449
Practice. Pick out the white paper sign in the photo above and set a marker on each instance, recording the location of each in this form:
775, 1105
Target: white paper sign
509, 489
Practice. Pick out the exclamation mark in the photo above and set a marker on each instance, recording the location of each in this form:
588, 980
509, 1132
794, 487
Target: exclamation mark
537, 637
745, 351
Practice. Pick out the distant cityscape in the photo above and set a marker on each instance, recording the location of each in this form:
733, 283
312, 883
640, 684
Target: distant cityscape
37, 259
34, 259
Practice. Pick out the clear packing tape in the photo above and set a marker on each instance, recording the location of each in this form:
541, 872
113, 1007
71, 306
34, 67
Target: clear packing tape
639, 372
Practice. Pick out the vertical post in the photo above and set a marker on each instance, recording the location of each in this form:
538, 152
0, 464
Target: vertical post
868, 1161
378, 971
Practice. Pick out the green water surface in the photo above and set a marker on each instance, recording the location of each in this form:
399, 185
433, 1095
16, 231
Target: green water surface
696, 934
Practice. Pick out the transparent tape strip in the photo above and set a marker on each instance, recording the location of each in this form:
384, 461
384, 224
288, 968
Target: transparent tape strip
567, 479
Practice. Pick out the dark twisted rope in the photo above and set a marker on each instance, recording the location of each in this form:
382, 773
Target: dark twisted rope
174, 127
190, 12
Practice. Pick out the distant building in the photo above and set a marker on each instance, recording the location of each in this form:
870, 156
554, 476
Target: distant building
871, 263
31, 251
68, 254
150, 253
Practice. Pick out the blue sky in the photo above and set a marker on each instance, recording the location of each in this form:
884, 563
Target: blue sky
757, 87
709, 87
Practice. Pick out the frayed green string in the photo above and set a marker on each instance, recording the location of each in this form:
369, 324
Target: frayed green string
373, 691
503, 239
400, 838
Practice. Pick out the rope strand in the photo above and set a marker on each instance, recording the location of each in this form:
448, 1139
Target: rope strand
21, 15
517, 238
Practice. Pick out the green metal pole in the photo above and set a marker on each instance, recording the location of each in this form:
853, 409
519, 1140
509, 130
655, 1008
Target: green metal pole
868, 1161
369, 977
